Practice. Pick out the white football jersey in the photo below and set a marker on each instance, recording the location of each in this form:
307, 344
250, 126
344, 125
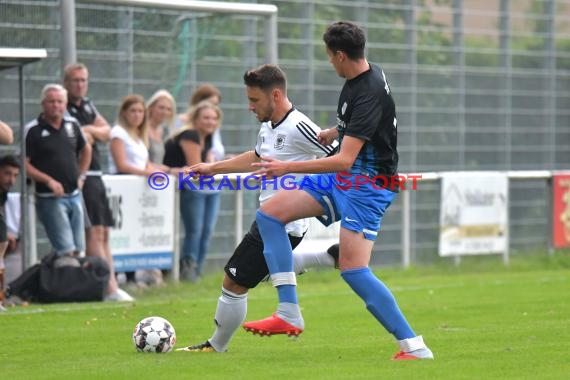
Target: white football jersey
294, 138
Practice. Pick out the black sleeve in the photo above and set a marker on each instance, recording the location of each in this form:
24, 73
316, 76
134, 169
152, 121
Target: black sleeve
30, 143
95, 110
366, 115
191, 135
80, 138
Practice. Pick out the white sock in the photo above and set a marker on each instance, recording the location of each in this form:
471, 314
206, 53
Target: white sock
412, 344
291, 313
416, 346
305, 260
229, 316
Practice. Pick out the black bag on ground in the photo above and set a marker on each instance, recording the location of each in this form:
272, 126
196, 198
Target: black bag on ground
26, 286
63, 279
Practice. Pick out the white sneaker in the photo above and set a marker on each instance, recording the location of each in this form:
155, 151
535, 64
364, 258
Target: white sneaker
119, 296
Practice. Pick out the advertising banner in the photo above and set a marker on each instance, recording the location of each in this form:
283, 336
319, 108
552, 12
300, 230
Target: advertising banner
143, 235
473, 216
561, 210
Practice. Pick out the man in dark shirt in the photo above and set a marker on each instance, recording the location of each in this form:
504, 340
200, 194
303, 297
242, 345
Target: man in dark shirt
95, 129
57, 159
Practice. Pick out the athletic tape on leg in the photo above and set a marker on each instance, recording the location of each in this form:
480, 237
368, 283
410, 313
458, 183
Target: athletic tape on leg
284, 278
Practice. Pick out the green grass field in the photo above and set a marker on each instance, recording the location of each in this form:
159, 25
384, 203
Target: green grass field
482, 320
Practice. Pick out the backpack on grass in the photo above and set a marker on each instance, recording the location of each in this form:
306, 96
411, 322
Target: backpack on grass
63, 279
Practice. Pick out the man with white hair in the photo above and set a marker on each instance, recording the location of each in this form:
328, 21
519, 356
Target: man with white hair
57, 159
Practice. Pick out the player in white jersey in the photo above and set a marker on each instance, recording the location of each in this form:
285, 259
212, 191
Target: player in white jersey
292, 138
285, 133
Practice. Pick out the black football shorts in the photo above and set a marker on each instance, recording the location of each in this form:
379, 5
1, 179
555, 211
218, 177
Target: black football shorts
247, 265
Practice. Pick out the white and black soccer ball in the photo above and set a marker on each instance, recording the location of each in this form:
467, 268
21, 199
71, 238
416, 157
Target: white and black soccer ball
154, 334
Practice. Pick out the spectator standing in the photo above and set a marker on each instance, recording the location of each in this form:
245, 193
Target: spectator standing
129, 139
57, 159
129, 147
9, 170
95, 129
161, 110
211, 93
191, 145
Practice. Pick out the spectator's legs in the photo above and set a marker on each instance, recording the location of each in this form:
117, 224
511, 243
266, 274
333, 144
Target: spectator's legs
97, 238
77, 221
195, 227
211, 207
186, 210
53, 214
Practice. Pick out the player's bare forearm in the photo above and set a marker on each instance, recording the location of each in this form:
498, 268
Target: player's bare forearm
271, 167
238, 164
341, 161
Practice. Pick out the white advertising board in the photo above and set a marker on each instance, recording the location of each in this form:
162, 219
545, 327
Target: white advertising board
143, 235
473, 213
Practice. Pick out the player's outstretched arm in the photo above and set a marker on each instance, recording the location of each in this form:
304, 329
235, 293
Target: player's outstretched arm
238, 164
342, 161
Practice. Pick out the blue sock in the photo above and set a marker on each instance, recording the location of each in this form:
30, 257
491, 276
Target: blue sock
278, 253
379, 301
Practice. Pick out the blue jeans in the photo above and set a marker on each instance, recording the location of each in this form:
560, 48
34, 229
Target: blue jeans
199, 212
64, 222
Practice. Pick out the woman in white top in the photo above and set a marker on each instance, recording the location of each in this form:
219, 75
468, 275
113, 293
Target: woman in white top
129, 140
129, 146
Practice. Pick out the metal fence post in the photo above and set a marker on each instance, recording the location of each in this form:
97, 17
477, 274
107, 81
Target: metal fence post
406, 228
67, 33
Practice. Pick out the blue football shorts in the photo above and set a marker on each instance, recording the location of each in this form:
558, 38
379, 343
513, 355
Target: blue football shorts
359, 209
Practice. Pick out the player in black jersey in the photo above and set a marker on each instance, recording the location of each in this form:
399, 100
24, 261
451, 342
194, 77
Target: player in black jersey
367, 131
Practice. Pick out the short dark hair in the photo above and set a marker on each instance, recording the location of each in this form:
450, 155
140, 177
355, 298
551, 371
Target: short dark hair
346, 37
9, 160
266, 77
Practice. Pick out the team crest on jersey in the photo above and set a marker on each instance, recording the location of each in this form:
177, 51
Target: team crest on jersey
343, 109
279, 142
69, 130
88, 108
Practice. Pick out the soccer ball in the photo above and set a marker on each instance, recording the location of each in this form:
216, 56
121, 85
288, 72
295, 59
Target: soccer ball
154, 334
